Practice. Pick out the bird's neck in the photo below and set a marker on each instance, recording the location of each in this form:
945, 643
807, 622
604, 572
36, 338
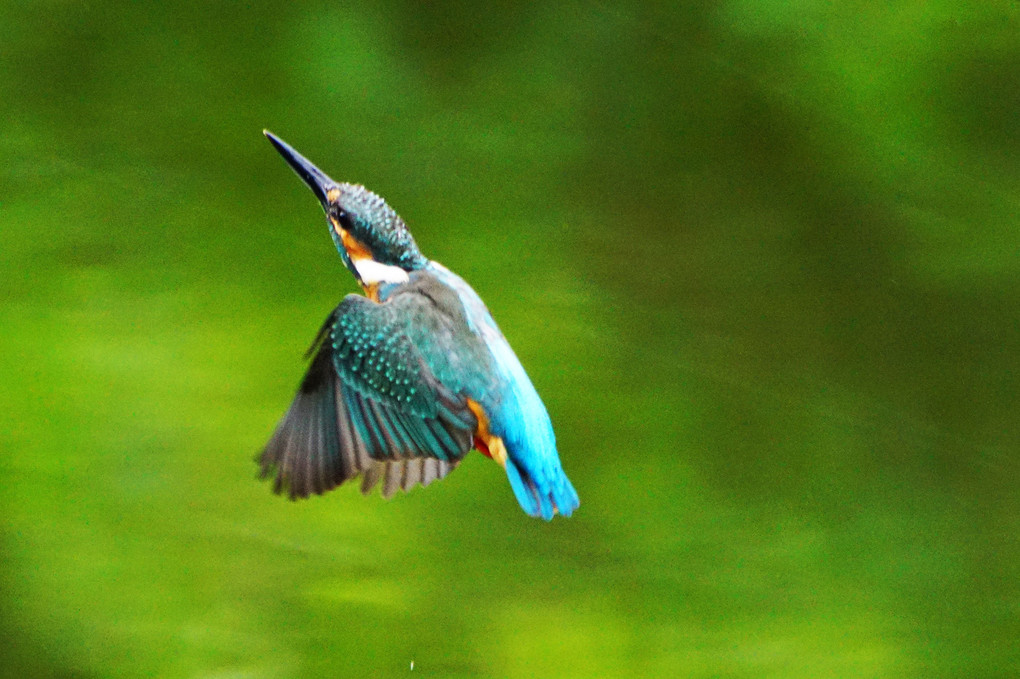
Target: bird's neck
373, 275
371, 272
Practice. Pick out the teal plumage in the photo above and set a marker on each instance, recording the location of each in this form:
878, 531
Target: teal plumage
371, 221
404, 382
515, 410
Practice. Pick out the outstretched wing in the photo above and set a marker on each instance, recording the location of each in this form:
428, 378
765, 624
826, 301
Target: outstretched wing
369, 405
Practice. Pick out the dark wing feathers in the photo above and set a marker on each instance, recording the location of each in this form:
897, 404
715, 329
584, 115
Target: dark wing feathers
367, 406
306, 442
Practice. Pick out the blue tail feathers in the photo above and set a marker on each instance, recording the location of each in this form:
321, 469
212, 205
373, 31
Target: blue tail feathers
545, 497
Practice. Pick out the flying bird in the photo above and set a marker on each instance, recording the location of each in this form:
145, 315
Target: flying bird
408, 378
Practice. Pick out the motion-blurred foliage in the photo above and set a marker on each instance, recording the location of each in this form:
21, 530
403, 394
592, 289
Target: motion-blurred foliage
761, 259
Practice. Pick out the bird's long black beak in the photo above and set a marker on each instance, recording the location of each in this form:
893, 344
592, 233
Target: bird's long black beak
317, 180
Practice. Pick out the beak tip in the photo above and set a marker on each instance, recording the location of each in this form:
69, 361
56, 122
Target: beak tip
317, 180
273, 139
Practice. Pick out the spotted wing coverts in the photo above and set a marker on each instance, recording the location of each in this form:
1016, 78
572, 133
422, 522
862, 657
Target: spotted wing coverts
369, 405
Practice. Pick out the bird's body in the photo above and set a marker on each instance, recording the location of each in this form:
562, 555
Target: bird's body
408, 378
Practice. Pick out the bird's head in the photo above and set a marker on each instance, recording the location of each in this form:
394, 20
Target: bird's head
372, 239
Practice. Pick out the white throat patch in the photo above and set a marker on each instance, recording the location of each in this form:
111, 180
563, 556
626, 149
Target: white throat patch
373, 273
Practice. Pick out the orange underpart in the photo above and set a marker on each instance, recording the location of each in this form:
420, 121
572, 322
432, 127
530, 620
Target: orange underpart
486, 442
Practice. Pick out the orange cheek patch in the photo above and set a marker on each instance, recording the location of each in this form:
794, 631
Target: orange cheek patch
354, 247
356, 251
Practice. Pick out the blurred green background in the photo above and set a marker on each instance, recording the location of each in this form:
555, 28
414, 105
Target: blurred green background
761, 259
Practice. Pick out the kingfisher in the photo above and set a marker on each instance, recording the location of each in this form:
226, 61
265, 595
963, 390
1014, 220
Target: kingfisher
408, 378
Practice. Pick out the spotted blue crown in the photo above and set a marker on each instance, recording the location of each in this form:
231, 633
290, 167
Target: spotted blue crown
374, 224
